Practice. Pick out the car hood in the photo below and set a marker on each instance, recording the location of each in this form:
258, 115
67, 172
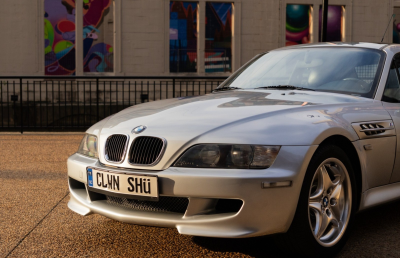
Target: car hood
197, 115
272, 117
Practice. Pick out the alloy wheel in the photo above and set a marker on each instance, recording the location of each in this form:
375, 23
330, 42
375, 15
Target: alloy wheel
330, 200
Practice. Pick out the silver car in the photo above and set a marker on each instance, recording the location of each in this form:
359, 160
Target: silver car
297, 141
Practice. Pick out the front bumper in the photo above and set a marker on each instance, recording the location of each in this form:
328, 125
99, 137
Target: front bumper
264, 210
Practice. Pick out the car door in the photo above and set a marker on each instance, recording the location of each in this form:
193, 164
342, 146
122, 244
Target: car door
391, 102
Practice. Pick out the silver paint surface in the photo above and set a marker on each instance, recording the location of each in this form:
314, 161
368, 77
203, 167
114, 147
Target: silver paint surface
298, 121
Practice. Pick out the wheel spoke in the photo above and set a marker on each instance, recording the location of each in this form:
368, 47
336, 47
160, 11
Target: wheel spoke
325, 179
318, 219
320, 228
332, 233
338, 207
334, 218
315, 206
338, 174
317, 195
337, 192
335, 227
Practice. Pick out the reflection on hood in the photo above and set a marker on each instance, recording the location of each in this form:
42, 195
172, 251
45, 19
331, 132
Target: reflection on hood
269, 100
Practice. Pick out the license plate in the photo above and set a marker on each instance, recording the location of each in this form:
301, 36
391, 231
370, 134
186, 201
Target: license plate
127, 184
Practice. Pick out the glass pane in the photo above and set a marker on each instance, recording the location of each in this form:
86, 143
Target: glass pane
335, 69
183, 37
334, 26
392, 88
298, 24
218, 52
98, 36
396, 25
59, 37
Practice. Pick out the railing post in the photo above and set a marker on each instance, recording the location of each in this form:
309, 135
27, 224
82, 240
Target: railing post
20, 101
225, 61
179, 61
97, 98
173, 87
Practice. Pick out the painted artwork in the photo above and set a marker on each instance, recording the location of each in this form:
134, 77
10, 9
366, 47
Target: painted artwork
396, 25
59, 34
218, 52
98, 56
298, 23
59, 37
334, 26
183, 37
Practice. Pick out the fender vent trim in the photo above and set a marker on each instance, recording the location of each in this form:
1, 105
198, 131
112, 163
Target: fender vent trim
374, 129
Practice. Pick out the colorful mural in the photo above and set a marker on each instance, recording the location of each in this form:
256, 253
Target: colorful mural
218, 53
396, 25
334, 26
59, 37
298, 21
98, 56
59, 34
183, 37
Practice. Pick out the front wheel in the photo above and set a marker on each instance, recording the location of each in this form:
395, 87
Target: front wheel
326, 205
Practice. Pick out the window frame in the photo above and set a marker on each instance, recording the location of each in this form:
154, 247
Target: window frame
79, 70
201, 32
347, 18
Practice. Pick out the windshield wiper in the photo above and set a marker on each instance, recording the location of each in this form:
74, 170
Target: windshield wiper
227, 88
284, 87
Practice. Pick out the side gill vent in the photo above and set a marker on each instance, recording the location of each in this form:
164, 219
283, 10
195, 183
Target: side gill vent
372, 129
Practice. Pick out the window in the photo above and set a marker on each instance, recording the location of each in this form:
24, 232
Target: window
335, 31
218, 52
59, 37
298, 24
183, 37
396, 25
98, 36
392, 88
60, 34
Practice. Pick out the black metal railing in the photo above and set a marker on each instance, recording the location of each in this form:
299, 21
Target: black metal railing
185, 61
75, 103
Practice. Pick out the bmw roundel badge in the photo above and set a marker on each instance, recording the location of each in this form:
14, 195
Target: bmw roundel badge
139, 129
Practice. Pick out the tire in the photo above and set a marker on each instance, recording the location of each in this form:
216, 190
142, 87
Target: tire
318, 206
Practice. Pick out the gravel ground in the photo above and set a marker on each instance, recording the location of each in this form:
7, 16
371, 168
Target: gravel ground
36, 222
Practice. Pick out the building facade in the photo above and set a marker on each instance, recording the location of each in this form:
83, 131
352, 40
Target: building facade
164, 37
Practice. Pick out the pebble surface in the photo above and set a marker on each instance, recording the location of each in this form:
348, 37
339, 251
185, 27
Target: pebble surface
36, 222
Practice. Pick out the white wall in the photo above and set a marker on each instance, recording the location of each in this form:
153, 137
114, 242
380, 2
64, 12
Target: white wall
19, 37
143, 32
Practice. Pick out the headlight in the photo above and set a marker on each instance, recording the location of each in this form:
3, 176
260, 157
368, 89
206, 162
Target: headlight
88, 146
228, 156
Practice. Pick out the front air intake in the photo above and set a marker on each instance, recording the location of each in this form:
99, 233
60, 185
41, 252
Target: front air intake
116, 147
146, 150
165, 204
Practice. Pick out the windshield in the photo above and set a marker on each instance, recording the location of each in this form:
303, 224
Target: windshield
337, 69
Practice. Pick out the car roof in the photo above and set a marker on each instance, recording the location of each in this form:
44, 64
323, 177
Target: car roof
341, 44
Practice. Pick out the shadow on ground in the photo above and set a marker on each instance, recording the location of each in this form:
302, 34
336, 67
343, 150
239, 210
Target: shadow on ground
375, 234
256, 247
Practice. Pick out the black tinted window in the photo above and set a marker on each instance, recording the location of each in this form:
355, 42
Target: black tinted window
392, 88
